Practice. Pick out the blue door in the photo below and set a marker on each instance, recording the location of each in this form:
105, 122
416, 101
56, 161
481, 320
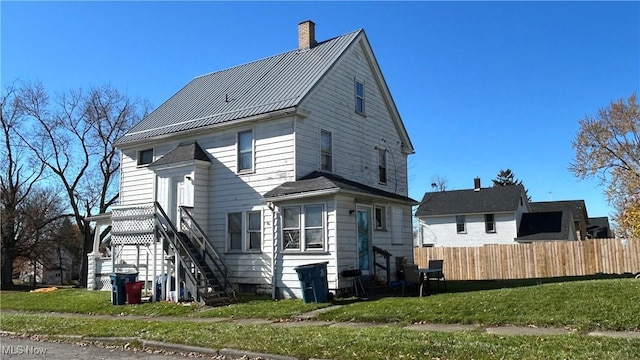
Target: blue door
363, 219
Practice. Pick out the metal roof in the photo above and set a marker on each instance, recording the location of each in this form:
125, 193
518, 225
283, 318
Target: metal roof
275, 83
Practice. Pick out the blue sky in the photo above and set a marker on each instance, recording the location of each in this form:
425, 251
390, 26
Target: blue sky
481, 86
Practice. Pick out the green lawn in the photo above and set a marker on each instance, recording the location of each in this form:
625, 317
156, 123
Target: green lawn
612, 304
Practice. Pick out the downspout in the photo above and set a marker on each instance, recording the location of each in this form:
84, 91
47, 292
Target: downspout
274, 251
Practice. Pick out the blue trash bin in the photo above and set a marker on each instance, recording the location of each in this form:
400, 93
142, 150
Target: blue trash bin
313, 282
118, 292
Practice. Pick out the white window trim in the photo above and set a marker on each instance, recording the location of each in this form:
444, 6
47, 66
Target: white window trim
322, 131
253, 152
244, 231
301, 227
139, 157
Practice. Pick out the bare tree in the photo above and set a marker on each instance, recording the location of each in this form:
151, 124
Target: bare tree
18, 178
439, 183
608, 148
73, 136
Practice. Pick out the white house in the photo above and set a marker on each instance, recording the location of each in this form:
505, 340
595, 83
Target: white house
299, 158
497, 215
472, 217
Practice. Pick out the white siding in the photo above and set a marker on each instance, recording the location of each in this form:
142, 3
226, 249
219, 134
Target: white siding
355, 137
441, 230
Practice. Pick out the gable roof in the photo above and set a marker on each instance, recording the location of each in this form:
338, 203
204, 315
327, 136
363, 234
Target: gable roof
577, 207
185, 152
548, 225
319, 183
273, 85
458, 202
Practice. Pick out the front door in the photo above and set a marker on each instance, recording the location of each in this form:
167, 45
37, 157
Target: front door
363, 218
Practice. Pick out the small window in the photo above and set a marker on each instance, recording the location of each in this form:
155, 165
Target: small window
380, 217
359, 89
460, 224
325, 151
145, 157
303, 227
489, 223
382, 166
245, 151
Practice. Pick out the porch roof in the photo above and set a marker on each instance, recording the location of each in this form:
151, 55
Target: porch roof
319, 183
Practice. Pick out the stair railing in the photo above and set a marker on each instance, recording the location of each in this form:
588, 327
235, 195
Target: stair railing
190, 226
386, 266
167, 229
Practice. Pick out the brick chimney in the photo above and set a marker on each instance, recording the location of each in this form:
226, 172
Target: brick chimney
476, 184
306, 35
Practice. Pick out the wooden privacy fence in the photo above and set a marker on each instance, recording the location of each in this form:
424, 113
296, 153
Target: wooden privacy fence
535, 260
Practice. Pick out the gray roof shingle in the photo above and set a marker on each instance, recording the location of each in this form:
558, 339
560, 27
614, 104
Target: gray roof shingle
457, 202
318, 181
577, 207
183, 153
275, 83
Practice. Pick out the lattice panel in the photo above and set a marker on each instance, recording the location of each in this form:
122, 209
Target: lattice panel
133, 239
142, 224
103, 282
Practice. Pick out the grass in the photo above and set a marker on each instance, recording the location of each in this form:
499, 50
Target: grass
611, 304
387, 342
583, 305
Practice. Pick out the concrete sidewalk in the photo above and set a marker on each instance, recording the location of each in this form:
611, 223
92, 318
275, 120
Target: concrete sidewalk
308, 319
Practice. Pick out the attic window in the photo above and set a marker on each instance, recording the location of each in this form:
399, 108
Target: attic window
145, 157
359, 90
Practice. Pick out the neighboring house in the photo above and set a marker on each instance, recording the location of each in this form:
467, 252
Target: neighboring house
599, 228
497, 215
472, 217
577, 209
299, 158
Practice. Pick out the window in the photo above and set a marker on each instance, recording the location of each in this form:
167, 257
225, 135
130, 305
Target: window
325, 151
252, 222
303, 227
245, 151
380, 217
359, 89
234, 231
382, 166
489, 223
460, 224
145, 157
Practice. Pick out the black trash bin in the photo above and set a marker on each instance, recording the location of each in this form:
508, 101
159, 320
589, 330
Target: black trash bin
118, 292
313, 282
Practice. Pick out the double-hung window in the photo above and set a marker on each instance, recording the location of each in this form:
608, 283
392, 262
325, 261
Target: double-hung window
245, 151
489, 223
359, 92
325, 151
382, 166
461, 227
244, 231
303, 227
